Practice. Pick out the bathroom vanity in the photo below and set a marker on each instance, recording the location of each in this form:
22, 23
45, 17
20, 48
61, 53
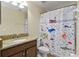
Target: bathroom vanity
23, 47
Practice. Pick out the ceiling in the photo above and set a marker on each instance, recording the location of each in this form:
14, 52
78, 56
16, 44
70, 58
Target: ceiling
52, 5
46, 5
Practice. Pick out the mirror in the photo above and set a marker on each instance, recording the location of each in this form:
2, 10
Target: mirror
13, 17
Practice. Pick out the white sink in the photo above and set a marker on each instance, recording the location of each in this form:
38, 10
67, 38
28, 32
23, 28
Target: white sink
19, 40
12, 42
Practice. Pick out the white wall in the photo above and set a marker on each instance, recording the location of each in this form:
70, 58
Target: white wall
12, 21
33, 19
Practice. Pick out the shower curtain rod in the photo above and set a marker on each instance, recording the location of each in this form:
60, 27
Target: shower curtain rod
60, 8
66, 6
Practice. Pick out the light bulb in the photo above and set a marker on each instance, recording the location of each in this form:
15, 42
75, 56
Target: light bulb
21, 6
14, 3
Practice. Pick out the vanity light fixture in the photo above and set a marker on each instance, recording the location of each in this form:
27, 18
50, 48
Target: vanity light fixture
20, 4
14, 3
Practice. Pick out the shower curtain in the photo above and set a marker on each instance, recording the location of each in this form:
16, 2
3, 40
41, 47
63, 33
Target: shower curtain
57, 31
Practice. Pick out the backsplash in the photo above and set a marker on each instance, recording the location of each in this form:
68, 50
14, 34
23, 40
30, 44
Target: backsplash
12, 36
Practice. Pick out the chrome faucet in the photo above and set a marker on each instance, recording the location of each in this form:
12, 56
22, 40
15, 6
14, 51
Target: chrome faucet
15, 36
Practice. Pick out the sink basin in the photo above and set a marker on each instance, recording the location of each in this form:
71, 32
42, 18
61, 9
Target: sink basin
12, 42
19, 40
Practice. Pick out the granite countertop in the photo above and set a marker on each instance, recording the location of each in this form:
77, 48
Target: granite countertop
13, 42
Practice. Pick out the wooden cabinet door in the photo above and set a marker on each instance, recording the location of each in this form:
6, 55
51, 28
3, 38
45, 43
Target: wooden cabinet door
31, 52
19, 54
0, 53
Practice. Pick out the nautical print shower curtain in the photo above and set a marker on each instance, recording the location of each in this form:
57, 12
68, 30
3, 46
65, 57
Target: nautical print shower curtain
57, 31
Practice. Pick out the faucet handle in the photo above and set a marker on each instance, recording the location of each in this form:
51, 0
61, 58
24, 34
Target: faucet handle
14, 36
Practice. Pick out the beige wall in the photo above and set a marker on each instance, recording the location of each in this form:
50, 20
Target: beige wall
12, 21
77, 31
33, 19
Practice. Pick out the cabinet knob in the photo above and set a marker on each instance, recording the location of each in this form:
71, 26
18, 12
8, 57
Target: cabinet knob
27, 52
23, 54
